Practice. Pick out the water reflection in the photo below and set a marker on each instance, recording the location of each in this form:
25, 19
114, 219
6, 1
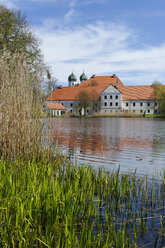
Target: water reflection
128, 142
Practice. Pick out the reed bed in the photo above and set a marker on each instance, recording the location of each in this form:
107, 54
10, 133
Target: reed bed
57, 204
20, 107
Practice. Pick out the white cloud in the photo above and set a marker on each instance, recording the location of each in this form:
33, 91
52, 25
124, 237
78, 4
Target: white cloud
69, 15
100, 48
11, 4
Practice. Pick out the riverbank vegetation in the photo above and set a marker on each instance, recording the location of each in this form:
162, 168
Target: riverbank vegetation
56, 204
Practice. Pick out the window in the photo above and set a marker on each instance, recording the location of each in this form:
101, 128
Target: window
105, 111
156, 104
141, 104
134, 104
141, 111
105, 104
116, 103
110, 97
148, 111
71, 104
71, 111
105, 97
126, 104
134, 111
57, 112
110, 103
116, 97
148, 104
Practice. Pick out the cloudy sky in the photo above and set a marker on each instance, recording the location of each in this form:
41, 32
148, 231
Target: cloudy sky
102, 37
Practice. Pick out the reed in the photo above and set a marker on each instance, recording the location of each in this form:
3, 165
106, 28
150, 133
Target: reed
57, 204
20, 107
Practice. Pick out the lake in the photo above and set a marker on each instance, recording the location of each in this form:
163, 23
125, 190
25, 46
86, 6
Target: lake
131, 143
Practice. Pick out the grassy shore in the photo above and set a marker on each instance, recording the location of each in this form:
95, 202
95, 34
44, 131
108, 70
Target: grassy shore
56, 204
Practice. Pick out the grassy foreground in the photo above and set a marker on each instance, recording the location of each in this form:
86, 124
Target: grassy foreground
56, 204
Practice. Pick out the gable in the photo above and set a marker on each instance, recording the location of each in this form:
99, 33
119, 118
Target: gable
111, 90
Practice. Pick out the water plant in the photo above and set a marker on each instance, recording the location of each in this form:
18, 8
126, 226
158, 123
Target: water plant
56, 204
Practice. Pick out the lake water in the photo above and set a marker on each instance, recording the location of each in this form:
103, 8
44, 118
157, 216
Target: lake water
131, 143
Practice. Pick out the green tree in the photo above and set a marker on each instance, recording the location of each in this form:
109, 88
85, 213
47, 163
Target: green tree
159, 95
16, 36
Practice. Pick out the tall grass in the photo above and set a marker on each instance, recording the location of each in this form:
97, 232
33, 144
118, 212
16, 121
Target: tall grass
59, 205
20, 107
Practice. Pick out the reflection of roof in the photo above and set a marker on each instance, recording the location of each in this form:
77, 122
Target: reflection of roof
53, 105
96, 85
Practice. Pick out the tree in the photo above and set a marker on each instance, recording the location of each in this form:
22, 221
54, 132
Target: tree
159, 95
16, 36
84, 101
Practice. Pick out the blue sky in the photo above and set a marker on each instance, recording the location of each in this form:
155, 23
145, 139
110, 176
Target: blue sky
101, 37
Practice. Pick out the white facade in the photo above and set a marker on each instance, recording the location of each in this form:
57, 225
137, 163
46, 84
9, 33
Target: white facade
110, 101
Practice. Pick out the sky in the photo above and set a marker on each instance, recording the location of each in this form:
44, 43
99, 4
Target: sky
101, 37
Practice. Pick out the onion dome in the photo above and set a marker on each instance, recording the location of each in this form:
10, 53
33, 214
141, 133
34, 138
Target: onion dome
72, 78
83, 77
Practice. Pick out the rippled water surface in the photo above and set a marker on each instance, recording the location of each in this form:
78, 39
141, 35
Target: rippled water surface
132, 143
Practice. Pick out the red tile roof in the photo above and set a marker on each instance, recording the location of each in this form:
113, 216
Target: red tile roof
95, 86
53, 105
145, 92
102, 81
72, 93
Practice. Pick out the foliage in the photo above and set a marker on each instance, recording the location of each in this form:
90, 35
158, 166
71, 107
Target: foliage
55, 204
20, 107
159, 94
84, 100
16, 36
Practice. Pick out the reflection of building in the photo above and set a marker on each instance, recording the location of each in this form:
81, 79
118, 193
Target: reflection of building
104, 94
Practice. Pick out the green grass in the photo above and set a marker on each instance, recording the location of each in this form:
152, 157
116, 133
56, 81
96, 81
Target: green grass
155, 116
57, 204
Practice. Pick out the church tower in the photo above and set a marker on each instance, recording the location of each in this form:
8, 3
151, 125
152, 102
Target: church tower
72, 80
83, 77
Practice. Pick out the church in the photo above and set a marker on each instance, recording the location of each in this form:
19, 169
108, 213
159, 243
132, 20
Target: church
103, 94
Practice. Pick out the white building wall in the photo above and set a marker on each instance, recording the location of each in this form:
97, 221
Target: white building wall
139, 106
69, 105
111, 100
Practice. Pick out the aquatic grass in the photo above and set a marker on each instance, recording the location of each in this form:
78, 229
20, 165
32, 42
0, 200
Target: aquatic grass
56, 204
